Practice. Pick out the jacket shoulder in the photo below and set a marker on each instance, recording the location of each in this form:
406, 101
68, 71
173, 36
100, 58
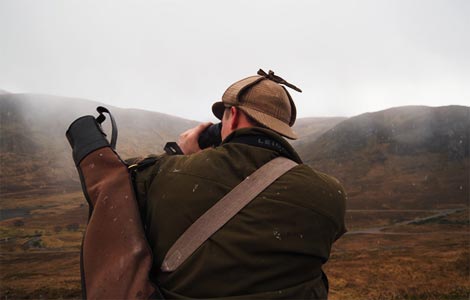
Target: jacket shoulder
323, 193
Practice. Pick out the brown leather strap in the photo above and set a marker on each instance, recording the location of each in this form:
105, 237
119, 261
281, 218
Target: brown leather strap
225, 209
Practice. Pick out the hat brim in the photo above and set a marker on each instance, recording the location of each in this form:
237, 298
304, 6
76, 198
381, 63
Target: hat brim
218, 109
269, 122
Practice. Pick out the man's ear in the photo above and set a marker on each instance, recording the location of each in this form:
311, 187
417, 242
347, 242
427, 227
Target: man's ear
235, 117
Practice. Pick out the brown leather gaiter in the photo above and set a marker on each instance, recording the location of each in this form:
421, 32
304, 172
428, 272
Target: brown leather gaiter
115, 256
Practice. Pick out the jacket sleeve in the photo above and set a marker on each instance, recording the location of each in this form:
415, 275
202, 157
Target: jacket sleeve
342, 204
337, 207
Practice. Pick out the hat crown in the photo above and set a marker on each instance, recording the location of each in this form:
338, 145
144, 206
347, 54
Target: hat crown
264, 98
264, 95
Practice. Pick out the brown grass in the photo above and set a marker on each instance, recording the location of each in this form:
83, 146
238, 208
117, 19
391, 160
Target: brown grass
39, 256
429, 261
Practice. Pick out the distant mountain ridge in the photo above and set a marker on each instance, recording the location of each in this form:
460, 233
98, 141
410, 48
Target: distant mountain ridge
405, 130
404, 157
414, 156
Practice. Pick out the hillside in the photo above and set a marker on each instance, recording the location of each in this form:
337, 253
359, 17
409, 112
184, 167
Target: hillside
310, 129
405, 157
35, 154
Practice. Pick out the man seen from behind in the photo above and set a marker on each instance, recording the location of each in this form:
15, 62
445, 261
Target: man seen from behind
274, 248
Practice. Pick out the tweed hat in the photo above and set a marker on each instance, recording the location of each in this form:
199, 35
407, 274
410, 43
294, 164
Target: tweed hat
263, 98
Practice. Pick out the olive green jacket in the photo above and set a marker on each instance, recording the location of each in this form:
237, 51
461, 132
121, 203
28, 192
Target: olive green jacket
273, 248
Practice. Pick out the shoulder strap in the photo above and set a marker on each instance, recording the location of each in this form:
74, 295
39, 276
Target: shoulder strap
225, 209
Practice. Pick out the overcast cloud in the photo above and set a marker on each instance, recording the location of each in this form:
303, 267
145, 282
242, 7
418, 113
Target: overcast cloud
178, 57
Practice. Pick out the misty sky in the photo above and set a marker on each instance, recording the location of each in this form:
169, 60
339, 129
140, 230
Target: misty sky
178, 57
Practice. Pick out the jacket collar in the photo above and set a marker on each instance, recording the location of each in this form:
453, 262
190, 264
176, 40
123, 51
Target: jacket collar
264, 138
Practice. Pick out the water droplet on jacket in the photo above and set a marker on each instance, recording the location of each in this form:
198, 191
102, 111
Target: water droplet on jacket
277, 234
101, 154
301, 236
115, 219
92, 166
176, 171
339, 192
126, 197
195, 187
